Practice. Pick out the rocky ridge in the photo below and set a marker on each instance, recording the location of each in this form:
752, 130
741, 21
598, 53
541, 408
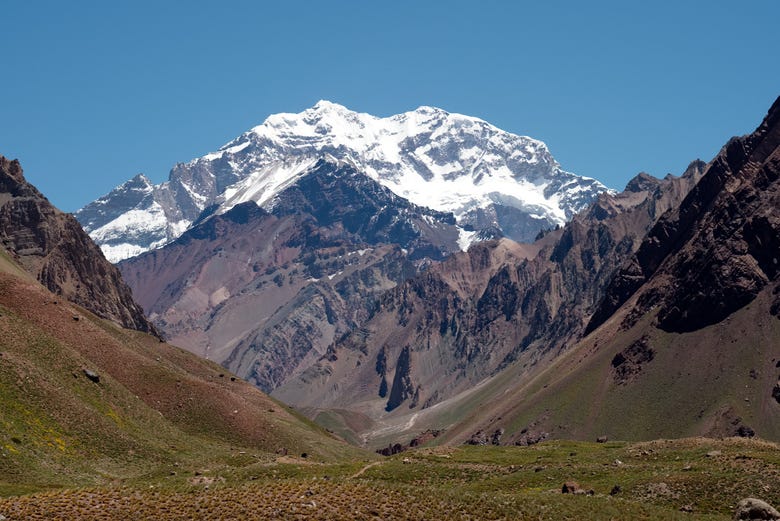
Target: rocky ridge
714, 253
54, 248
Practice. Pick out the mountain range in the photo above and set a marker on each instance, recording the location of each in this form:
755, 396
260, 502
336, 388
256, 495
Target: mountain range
490, 181
358, 306
650, 313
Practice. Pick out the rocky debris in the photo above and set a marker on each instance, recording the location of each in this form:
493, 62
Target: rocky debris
53, 247
687, 509
661, 490
482, 438
572, 487
532, 433
751, 509
528, 438
420, 439
393, 448
92, 376
478, 438
743, 431
627, 364
425, 437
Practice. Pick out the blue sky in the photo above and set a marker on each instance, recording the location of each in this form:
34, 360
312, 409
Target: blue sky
95, 92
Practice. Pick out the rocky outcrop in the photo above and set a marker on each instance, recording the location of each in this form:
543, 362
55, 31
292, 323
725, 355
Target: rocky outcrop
52, 246
719, 249
751, 509
402, 388
627, 364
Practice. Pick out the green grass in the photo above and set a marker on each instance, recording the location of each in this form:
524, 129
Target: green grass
656, 478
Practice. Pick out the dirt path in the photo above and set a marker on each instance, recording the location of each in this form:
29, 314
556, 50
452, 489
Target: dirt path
361, 471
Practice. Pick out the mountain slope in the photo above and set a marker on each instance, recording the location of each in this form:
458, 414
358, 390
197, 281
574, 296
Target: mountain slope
86, 402
720, 248
685, 340
263, 293
53, 247
487, 178
498, 305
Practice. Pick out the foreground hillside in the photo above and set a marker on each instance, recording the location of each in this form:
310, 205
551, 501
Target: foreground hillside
84, 402
691, 479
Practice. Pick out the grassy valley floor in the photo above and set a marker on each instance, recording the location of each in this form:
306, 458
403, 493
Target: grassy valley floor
664, 480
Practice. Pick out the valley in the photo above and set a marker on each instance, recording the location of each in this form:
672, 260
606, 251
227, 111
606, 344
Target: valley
644, 328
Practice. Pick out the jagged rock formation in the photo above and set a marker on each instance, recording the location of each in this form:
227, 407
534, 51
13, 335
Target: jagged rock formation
714, 253
493, 182
52, 246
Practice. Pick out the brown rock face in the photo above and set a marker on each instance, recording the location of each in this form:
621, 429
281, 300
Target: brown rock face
719, 249
627, 364
52, 246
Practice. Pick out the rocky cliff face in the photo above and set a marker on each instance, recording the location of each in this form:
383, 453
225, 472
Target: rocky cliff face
53, 247
714, 253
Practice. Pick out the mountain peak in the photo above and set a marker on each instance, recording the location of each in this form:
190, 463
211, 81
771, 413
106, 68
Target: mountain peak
324, 105
448, 162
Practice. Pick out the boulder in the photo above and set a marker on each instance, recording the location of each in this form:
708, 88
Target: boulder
755, 509
570, 487
93, 376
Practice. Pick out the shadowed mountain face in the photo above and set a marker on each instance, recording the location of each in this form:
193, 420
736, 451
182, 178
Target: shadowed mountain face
52, 246
266, 292
719, 249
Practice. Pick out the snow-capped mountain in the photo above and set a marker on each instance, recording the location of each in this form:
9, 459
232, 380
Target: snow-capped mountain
487, 178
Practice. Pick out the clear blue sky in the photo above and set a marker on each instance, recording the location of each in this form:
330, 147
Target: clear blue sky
95, 92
